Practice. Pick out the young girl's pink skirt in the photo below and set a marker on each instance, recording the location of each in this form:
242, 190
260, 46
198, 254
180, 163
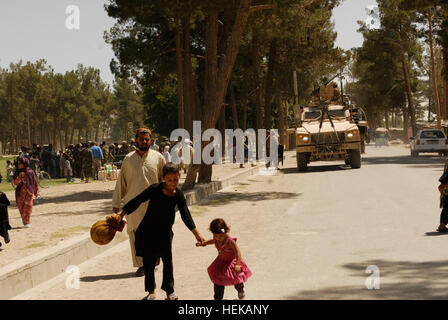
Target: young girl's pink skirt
222, 272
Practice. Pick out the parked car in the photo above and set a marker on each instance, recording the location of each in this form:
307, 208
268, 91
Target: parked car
429, 140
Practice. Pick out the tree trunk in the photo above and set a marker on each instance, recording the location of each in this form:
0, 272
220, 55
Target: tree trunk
256, 69
196, 100
445, 99
211, 88
66, 141
28, 125
234, 111
180, 81
405, 123
222, 128
386, 118
244, 127
270, 84
188, 74
429, 109
281, 121
409, 95
97, 129
434, 72
215, 88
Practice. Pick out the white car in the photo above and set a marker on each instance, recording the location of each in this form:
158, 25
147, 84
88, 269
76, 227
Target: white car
429, 140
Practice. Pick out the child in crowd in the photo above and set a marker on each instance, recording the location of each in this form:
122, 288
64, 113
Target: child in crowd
9, 170
228, 268
4, 218
154, 235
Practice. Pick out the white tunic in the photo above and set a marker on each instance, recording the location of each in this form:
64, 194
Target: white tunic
136, 174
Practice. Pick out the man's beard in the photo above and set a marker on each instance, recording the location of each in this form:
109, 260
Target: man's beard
146, 148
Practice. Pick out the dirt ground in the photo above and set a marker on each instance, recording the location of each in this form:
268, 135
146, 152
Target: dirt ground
69, 210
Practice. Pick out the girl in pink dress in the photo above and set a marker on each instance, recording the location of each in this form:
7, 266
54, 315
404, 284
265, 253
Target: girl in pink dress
228, 269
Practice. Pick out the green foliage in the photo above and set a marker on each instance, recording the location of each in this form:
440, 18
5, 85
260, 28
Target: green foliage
43, 107
377, 66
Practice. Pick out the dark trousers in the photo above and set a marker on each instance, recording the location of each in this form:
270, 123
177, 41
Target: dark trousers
149, 264
444, 213
219, 290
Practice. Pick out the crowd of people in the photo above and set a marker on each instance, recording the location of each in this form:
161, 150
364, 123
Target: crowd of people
82, 160
146, 174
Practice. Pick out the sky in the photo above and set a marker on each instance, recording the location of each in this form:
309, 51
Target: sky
36, 29
345, 18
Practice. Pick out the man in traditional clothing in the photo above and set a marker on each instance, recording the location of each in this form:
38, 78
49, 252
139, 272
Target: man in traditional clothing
87, 162
77, 161
139, 170
188, 161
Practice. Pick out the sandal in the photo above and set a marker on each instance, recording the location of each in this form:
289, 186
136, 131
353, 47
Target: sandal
172, 296
150, 296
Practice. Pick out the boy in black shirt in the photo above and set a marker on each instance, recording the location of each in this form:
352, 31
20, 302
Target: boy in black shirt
154, 235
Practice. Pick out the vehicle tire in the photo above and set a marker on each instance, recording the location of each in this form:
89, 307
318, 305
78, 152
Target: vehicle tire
302, 161
348, 160
44, 179
356, 159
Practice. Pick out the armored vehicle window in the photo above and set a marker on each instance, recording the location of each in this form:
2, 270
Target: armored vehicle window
435, 134
309, 115
337, 113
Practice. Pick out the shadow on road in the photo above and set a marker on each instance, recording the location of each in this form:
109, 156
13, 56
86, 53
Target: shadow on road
79, 196
412, 280
435, 234
224, 198
315, 167
413, 162
108, 277
100, 212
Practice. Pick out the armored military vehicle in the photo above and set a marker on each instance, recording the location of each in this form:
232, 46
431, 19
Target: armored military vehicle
327, 131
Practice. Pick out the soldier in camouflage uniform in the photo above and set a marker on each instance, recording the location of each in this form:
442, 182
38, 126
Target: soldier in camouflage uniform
124, 148
111, 156
86, 161
105, 150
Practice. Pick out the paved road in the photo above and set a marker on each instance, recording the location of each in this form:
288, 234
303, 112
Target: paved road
305, 236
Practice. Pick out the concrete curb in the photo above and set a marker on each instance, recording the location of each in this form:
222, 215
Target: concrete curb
35, 269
